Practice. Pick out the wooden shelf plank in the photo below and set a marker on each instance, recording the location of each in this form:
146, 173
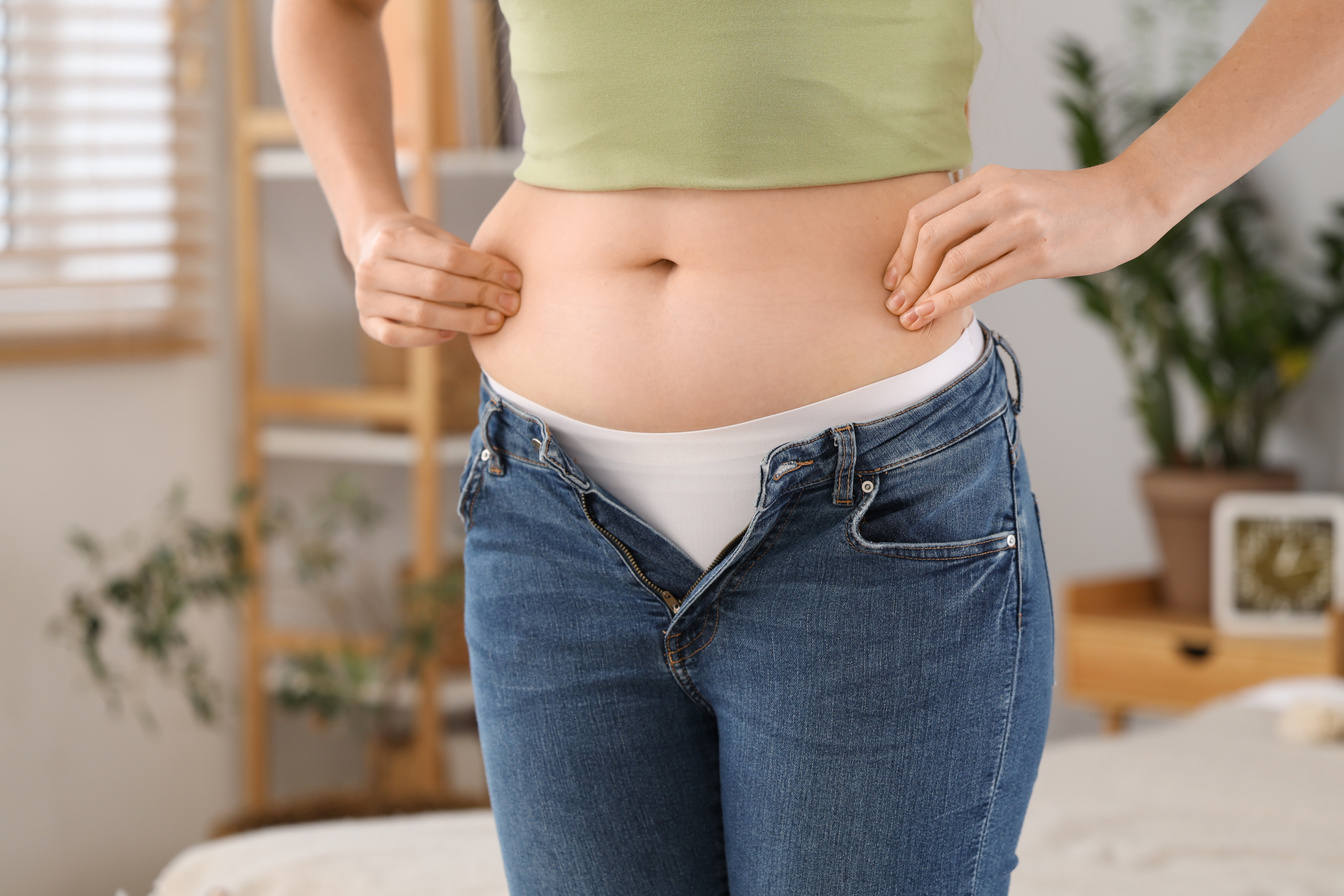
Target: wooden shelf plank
369, 404
288, 640
358, 446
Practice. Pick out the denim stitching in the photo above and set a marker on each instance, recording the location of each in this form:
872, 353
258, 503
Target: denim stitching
703, 626
996, 414
846, 455
667, 653
690, 639
711, 635
917, 557
914, 457
785, 469
1017, 530
1012, 692
828, 478
852, 525
684, 680
522, 460
1003, 752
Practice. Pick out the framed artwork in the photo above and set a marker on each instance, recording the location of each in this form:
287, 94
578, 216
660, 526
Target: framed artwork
1278, 562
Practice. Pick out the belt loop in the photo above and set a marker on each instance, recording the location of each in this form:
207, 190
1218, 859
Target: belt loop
493, 456
844, 464
558, 460
1017, 372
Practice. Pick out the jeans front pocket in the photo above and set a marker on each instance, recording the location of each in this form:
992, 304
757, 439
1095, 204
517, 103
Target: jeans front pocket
953, 504
868, 529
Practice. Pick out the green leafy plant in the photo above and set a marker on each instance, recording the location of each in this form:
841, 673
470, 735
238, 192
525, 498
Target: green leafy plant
1215, 301
190, 564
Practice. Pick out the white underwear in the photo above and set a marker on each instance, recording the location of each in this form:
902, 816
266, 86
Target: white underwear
699, 487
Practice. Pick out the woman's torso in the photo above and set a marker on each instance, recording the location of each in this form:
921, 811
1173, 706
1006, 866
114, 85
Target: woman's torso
662, 310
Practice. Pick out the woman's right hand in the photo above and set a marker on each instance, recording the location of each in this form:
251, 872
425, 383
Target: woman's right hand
417, 284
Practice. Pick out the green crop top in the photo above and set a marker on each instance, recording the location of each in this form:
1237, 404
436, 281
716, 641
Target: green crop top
739, 94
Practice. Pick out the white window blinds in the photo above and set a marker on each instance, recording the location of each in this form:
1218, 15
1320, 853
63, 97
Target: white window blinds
103, 207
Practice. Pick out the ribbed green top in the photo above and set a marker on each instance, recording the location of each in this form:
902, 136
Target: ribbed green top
739, 94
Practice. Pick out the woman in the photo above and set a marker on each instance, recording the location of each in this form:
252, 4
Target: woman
757, 599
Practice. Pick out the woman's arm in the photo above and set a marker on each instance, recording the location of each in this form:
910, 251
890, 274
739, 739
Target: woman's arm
1002, 226
414, 281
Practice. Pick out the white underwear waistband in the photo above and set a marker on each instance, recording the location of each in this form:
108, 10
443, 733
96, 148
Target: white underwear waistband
699, 487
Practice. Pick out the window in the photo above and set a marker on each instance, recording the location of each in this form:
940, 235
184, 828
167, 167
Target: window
103, 203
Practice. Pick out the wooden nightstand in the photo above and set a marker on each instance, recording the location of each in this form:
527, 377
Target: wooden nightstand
1122, 651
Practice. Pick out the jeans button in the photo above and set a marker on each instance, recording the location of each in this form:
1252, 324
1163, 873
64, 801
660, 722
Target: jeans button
485, 454
867, 486
1011, 541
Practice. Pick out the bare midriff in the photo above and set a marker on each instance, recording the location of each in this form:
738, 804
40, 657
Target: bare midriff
661, 310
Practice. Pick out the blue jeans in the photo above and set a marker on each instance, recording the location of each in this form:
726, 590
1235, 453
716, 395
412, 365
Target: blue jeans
852, 699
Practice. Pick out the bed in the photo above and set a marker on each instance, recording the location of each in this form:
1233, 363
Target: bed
1219, 802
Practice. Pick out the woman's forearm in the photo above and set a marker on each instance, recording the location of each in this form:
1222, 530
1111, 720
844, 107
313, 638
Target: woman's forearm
1284, 71
334, 75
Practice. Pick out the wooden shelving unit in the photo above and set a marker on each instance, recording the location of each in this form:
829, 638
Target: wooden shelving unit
264, 147
1123, 650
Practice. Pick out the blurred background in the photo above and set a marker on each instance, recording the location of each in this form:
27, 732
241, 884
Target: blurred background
177, 321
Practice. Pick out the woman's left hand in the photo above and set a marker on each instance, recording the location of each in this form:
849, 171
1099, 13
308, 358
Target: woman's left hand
1001, 226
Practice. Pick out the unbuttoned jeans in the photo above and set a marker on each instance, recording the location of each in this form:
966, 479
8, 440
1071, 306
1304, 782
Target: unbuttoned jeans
852, 699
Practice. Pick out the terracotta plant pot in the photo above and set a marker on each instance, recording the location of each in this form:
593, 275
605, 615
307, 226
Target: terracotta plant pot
1180, 501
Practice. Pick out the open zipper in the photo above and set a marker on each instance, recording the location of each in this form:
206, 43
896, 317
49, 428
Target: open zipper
671, 600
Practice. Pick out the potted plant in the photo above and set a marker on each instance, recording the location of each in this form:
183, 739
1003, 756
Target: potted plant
188, 564
1213, 308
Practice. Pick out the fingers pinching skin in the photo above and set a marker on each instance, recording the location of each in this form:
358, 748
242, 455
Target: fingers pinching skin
474, 319
441, 270
976, 286
1003, 226
946, 235
966, 275
912, 267
417, 284
438, 286
451, 254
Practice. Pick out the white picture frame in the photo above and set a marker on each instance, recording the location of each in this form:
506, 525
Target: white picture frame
1267, 550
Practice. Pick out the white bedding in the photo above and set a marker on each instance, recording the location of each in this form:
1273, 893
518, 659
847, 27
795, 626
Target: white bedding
424, 854
1214, 804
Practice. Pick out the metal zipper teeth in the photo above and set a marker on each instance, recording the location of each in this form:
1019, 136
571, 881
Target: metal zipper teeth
667, 597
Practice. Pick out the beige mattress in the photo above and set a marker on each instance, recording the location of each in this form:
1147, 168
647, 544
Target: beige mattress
1214, 804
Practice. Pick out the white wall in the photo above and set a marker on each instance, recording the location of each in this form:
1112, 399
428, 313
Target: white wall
1083, 446
89, 803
